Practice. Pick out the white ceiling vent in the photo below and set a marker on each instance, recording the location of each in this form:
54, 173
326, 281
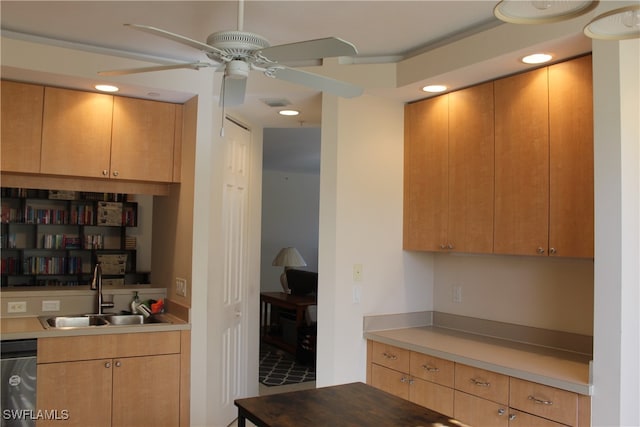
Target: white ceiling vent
276, 102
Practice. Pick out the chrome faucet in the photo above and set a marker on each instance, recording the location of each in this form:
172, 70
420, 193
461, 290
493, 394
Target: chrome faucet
96, 284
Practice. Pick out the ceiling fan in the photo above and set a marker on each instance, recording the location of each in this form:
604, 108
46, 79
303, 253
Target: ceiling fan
237, 52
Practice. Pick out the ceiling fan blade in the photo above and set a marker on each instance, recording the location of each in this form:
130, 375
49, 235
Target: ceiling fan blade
233, 92
310, 49
193, 66
177, 38
316, 81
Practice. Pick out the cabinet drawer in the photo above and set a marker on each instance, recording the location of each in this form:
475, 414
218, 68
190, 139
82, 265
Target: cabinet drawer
432, 396
548, 402
517, 419
394, 382
432, 369
479, 412
482, 383
391, 357
87, 347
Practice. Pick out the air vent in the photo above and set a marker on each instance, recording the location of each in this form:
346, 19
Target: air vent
276, 102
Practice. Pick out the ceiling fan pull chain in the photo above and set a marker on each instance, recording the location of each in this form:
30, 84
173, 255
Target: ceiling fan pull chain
224, 77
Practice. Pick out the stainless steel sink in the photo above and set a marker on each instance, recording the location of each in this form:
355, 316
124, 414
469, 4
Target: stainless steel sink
75, 321
95, 320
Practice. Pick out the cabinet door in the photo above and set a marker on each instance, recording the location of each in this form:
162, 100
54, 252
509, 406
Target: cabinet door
21, 126
146, 391
76, 133
426, 174
571, 158
471, 169
522, 164
479, 412
83, 389
142, 141
394, 382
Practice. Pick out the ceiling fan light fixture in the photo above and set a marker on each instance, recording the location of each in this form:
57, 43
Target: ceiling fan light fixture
617, 24
537, 58
541, 11
237, 69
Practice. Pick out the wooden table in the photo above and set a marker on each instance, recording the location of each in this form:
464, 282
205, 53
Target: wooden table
347, 405
268, 316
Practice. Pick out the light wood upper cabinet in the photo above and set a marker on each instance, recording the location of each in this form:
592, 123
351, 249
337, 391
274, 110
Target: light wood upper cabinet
571, 227
76, 135
426, 174
142, 146
522, 164
471, 169
448, 192
21, 126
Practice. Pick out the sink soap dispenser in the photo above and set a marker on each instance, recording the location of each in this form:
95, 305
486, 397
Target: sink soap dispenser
135, 302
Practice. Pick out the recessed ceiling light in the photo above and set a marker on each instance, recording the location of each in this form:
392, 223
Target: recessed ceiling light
288, 112
541, 11
618, 24
434, 88
107, 88
537, 58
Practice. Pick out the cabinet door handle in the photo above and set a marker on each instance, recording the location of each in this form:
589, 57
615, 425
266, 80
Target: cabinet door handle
501, 411
480, 383
552, 251
540, 251
539, 401
407, 380
430, 368
107, 365
115, 173
512, 417
389, 356
118, 364
443, 246
449, 246
105, 172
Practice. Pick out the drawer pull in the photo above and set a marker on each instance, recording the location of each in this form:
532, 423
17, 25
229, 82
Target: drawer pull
480, 383
406, 380
501, 411
430, 368
512, 417
390, 356
540, 401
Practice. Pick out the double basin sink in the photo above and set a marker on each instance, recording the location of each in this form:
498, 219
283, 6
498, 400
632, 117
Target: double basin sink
100, 320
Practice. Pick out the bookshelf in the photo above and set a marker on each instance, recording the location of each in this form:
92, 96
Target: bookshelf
54, 238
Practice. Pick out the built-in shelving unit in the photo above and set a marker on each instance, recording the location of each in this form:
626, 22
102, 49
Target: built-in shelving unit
54, 238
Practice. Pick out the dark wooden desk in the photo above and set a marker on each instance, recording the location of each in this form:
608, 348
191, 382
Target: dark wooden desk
347, 405
268, 316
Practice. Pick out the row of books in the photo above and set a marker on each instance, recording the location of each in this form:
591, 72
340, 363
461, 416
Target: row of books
42, 265
59, 241
62, 195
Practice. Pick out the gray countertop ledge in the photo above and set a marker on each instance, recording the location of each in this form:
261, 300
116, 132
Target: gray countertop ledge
531, 354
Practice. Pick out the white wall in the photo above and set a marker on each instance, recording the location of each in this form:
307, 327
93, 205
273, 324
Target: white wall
290, 215
616, 369
543, 292
361, 223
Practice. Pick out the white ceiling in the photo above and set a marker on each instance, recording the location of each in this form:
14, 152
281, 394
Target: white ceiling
383, 31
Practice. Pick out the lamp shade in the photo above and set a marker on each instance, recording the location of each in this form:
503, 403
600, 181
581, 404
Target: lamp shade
289, 257
541, 11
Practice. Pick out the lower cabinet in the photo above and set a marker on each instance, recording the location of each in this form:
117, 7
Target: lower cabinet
137, 384
473, 396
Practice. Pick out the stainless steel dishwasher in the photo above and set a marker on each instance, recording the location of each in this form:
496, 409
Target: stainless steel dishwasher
18, 382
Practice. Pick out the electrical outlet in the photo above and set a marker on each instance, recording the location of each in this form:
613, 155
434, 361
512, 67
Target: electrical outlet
181, 286
457, 294
17, 307
357, 272
53, 305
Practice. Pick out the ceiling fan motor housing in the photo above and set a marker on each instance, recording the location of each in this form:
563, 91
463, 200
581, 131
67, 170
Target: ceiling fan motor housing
238, 44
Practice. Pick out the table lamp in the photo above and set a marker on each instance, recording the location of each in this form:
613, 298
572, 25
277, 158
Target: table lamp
287, 258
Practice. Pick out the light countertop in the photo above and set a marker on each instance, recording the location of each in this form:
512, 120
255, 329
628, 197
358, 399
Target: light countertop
555, 368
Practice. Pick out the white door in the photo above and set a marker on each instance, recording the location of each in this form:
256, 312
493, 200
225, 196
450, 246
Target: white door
235, 200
